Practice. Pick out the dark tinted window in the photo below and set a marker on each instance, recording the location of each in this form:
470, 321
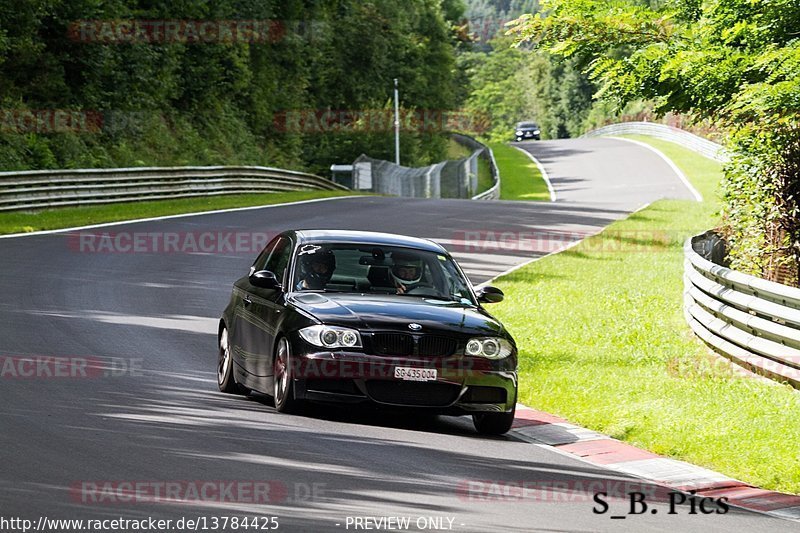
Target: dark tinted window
279, 258
261, 260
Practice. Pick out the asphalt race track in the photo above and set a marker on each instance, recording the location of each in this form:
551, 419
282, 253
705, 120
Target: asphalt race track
149, 410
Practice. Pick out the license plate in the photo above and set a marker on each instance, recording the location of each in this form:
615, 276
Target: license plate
415, 374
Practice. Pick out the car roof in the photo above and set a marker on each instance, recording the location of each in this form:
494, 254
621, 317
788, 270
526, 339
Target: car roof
527, 124
367, 237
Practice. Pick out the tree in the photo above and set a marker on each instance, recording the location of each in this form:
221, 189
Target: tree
175, 102
731, 61
511, 84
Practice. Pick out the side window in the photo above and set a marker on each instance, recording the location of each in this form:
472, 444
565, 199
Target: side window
261, 260
455, 285
279, 258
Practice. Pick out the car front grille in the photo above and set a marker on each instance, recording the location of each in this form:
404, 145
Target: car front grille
396, 344
413, 393
403, 344
436, 346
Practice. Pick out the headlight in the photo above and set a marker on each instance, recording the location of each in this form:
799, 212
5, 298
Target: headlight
489, 347
536, 132
519, 133
331, 336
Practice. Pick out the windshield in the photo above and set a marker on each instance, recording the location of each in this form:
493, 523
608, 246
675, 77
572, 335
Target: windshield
527, 125
359, 268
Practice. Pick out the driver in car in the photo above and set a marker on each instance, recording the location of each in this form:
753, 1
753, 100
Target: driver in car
316, 269
406, 272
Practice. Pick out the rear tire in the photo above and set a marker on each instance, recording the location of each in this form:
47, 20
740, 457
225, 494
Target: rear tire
283, 390
493, 423
226, 381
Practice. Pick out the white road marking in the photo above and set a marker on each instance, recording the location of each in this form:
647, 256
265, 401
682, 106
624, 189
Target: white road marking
168, 217
672, 165
545, 176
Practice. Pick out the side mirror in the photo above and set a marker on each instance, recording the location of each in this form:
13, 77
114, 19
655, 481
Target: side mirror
490, 295
265, 279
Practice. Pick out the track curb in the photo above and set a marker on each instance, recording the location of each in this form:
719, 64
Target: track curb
544, 429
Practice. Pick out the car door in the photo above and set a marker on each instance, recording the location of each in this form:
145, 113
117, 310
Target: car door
261, 308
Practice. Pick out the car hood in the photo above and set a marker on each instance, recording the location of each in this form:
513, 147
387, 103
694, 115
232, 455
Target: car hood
377, 312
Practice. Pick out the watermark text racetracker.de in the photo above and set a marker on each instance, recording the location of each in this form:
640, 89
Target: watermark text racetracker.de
550, 490
542, 240
178, 31
382, 367
308, 121
68, 367
43, 121
169, 242
241, 491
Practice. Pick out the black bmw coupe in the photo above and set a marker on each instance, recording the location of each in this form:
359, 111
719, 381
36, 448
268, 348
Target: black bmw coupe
527, 131
354, 316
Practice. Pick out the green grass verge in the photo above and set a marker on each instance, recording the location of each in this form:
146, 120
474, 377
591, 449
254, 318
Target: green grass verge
604, 343
485, 181
456, 150
66, 217
520, 178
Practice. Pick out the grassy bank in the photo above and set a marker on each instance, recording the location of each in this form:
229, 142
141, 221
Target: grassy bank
456, 150
520, 179
66, 217
604, 344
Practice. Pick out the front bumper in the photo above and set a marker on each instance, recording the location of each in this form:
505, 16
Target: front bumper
463, 384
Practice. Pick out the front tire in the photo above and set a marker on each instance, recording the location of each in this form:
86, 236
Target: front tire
226, 381
283, 390
493, 423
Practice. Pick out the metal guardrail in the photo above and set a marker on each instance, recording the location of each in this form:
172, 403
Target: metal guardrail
55, 188
493, 192
752, 321
688, 140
